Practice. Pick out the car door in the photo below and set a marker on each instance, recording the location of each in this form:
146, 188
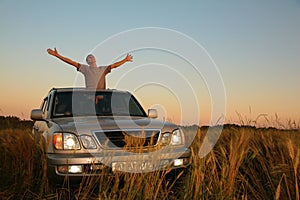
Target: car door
41, 125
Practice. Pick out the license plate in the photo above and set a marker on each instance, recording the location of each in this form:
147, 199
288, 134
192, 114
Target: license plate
133, 166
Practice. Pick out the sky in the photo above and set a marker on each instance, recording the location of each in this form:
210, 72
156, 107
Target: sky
194, 61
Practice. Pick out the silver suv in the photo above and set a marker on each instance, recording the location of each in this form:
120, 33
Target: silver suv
85, 131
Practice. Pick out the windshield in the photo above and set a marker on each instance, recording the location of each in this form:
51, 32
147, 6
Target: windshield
90, 103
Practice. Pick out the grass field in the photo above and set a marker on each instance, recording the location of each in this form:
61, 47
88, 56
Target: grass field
246, 163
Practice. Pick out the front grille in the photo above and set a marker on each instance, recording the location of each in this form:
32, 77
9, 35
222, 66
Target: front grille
127, 138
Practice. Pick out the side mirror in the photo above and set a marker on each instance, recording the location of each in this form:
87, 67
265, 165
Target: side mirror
152, 113
37, 114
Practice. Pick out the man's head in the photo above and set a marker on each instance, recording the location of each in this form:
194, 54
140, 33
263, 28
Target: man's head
91, 60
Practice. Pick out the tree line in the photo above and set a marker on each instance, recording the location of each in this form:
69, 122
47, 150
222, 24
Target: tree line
13, 122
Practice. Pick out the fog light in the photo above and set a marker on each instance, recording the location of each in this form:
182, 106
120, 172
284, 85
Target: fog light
178, 162
73, 169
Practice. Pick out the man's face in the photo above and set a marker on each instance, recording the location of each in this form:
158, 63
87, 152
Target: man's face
90, 59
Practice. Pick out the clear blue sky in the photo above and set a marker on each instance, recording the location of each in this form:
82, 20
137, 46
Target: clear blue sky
255, 45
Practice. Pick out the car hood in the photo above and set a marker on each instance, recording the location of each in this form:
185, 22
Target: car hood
85, 125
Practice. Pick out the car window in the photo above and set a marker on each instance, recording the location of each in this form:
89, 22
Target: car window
48, 102
62, 104
83, 103
44, 105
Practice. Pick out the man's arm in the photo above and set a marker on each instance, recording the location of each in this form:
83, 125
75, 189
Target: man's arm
128, 58
64, 59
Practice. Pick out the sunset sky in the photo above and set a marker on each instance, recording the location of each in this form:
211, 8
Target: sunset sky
251, 48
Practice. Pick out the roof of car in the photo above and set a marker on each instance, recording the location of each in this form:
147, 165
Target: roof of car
71, 89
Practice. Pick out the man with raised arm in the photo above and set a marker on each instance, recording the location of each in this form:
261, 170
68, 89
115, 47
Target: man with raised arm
94, 75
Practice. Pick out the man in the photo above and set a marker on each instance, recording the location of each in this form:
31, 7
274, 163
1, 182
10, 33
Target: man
94, 75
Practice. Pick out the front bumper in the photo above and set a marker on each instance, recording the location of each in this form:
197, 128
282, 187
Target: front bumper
76, 166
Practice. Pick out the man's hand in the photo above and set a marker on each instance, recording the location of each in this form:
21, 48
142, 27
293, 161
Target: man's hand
128, 58
66, 60
52, 52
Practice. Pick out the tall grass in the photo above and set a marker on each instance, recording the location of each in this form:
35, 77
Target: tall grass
20, 166
246, 163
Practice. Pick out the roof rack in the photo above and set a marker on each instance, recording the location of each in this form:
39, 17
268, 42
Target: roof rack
82, 89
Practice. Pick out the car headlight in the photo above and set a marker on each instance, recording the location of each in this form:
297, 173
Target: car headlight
88, 142
66, 141
176, 137
165, 138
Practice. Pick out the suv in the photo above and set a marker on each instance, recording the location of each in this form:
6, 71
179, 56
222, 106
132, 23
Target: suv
84, 131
